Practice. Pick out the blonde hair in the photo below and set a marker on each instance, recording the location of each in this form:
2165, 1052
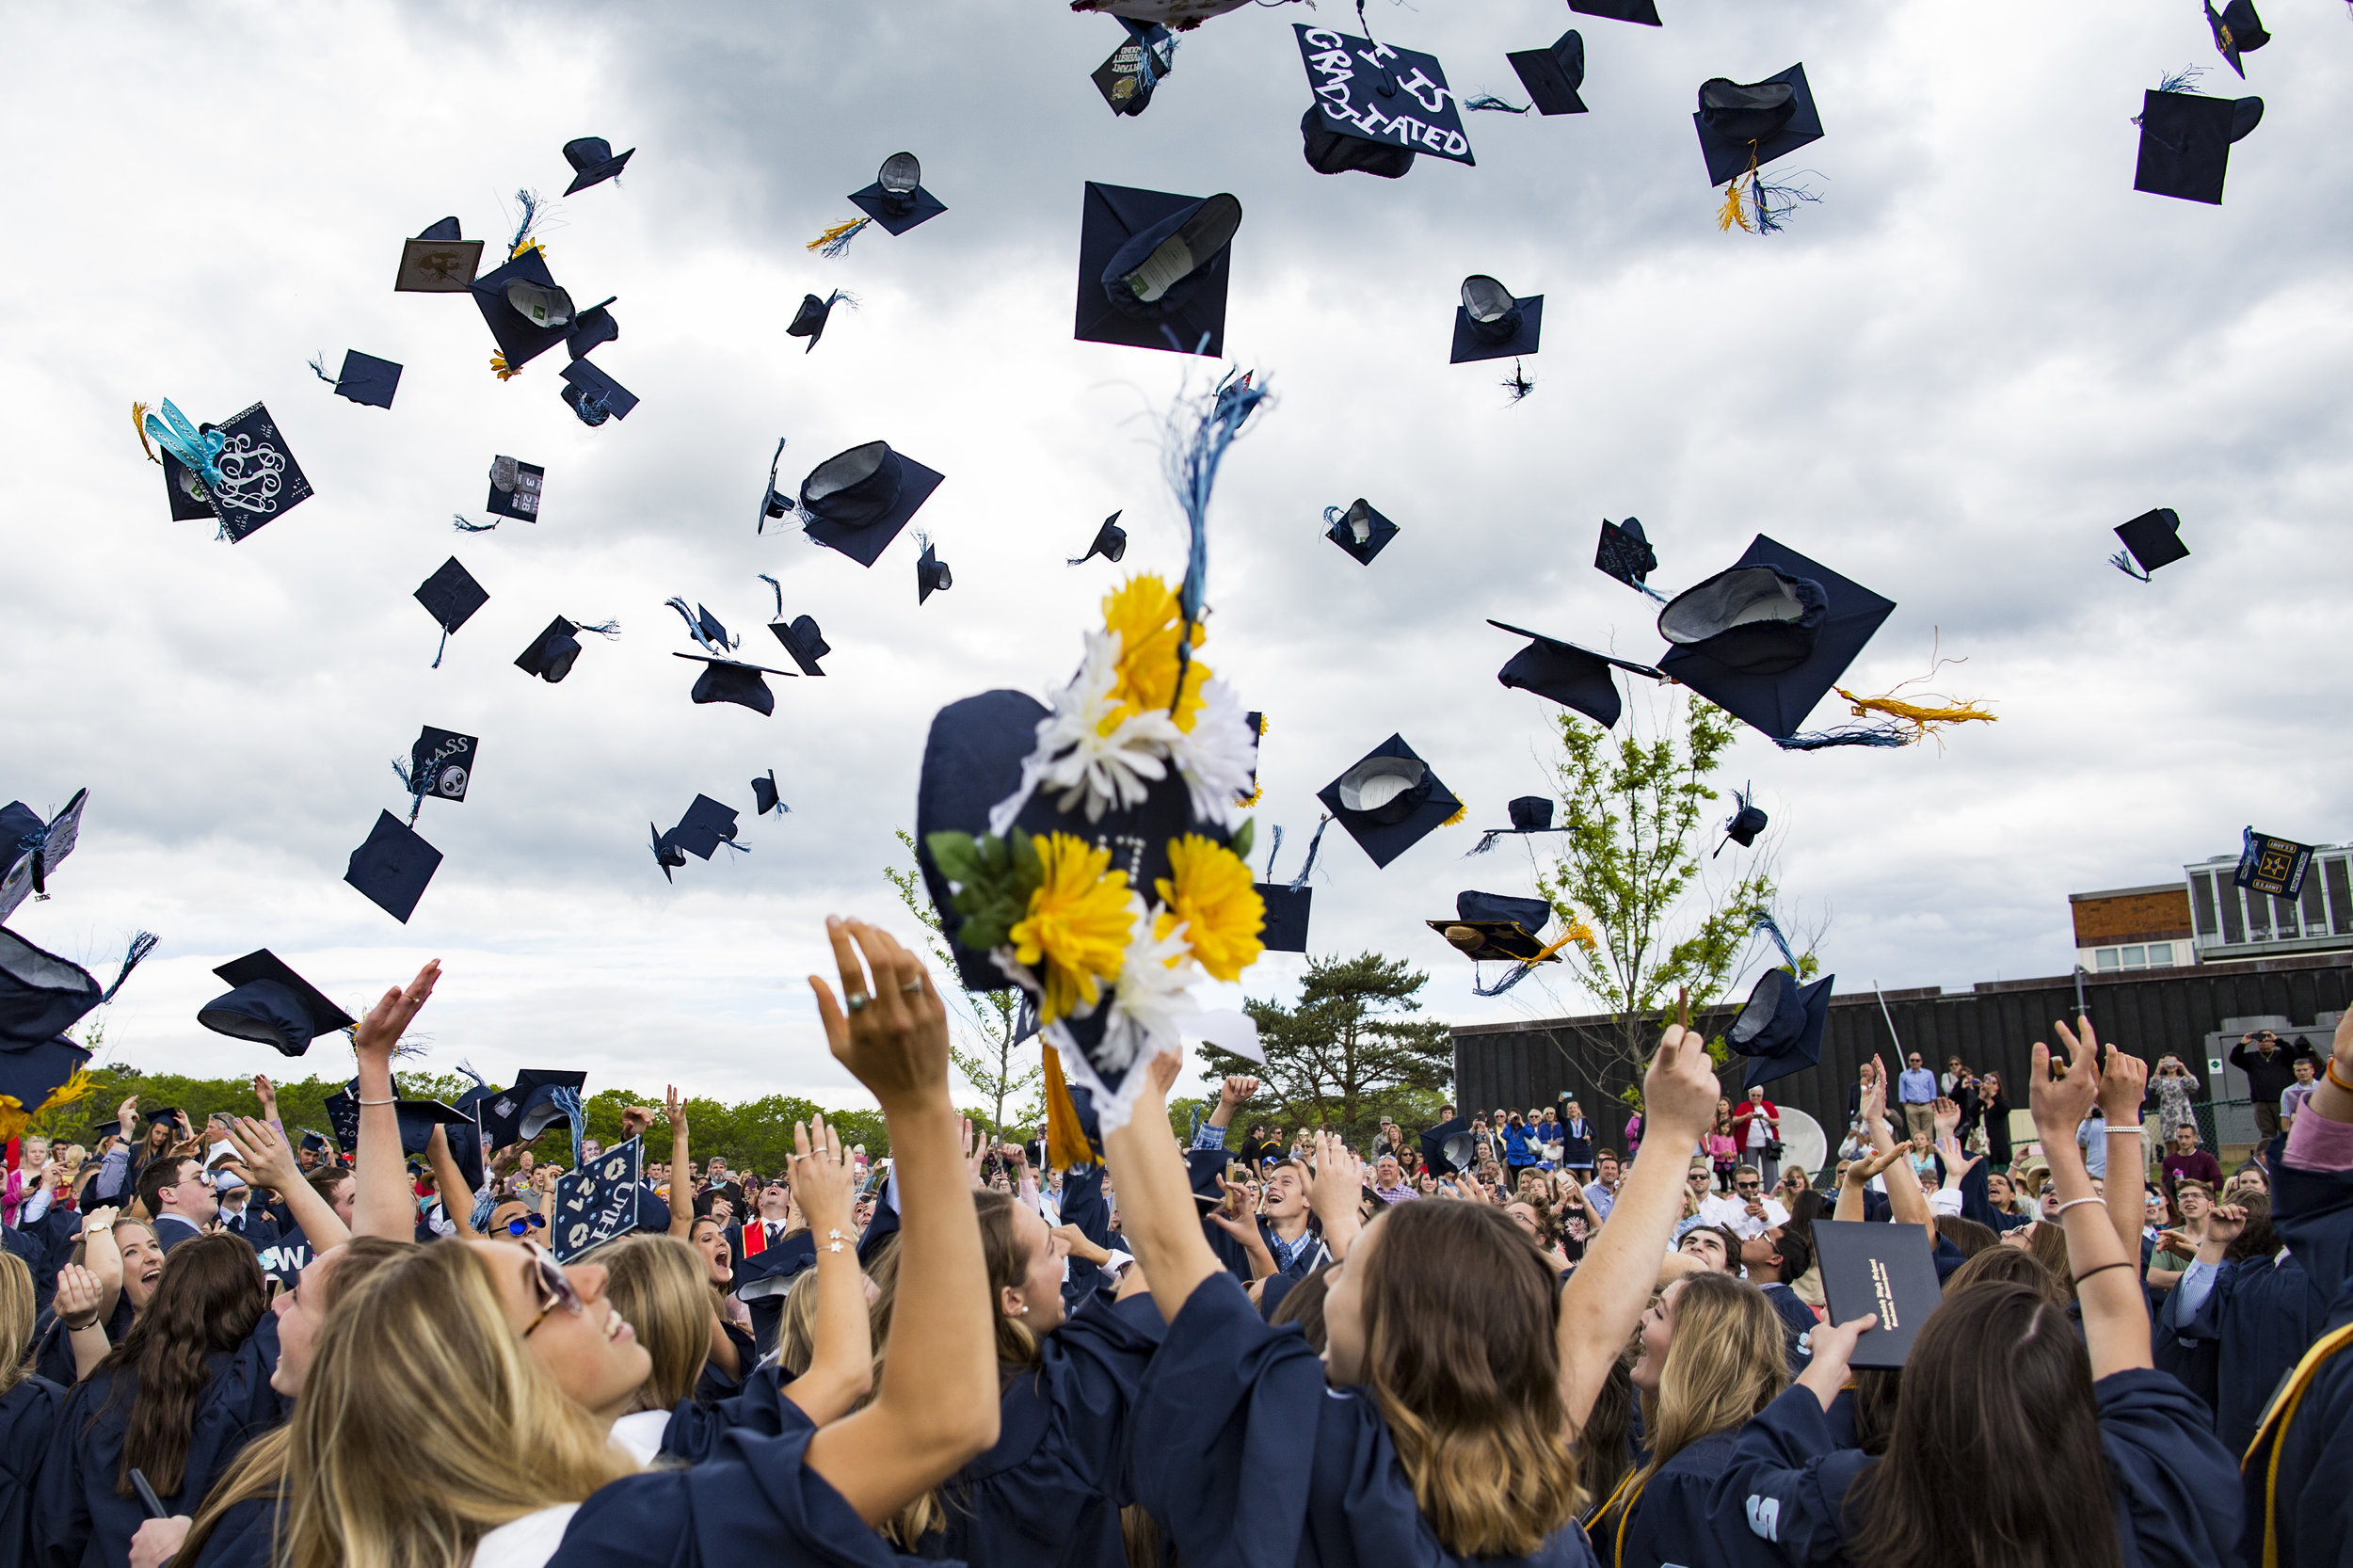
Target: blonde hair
661, 1286
16, 1321
1725, 1364
797, 1334
425, 1424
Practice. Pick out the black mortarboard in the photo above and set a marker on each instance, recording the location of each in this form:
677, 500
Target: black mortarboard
602, 1201
897, 199
438, 261
1643, 12
931, 574
1780, 1028
393, 867
269, 1002
523, 1112
810, 322
1490, 324
590, 329
516, 487
1287, 912
315, 1142
1529, 813
31, 1074
30, 849
765, 798
1553, 75
261, 482
2185, 143
2154, 539
154, 1113
551, 655
524, 308
665, 853
732, 680
364, 378
1447, 1148
1570, 675
593, 162
1765, 639
189, 498
1623, 553
2272, 864
451, 596
1392, 97
1126, 235
1497, 926
858, 501
1111, 542
803, 642
1745, 823
1330, 151
1126, 80
593, 395
2236, 30
1885, 1269
773, 501
1744, 125
1389, 800
441, 764
418, 1119
1361, 530
43, 995
706, 825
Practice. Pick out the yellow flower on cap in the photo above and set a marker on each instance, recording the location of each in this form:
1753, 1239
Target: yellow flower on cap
1144, 615
1209, 891
1076, 930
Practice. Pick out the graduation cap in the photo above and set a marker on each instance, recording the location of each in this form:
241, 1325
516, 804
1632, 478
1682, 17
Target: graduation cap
1111, 542
897, 199
706, 825
418, 1119
1744, 825
1528, 814
441, 764
35, 1077
525, 310
1570, 675
810, 322
931, 574
665, 853
1182, 15
2153, 539
364, 378
514, 487
593, 162
602, 1201
1447, 1148
2185, 142
43, 995
774, 502
240, 474
2271, 865
1490, 324
1153, 268
451, 596
269, 1002
1553, 75
438, 261
1779, 1026
590, 329
551, 655
1330, 151
1764, 640
764, 796
858, 501
1389, 800
1497, 927
315, 1142
1360, 531
393, 867
1289, 904
1126, 80
1886, 1270
1643, 12
593, 395
733, 680
1627, 555
1396, 99
31, 849
803, 641
1743, 126
2236, 30
538, 1099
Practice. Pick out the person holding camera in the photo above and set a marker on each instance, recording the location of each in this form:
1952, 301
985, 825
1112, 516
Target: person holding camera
2269, 1064
2174, 1086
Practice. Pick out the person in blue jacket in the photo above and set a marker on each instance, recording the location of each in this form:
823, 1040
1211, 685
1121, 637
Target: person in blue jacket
2256, 1309
29, 1410
1440, 1426
2045, 1451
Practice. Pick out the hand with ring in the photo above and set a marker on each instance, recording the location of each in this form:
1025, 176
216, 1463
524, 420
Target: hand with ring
894, 1036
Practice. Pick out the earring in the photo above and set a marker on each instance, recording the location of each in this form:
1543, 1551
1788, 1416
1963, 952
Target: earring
1022, 1311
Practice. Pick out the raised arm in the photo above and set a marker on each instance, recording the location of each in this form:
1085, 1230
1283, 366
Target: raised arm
937, 1404
841, 1364
1334, 1192
2107, 1275
272, 1164
1860, 1171
1605, 1298
1158, 1217
681, 1158
1231, 1096
382, 1206
457, 1197
2124, 1082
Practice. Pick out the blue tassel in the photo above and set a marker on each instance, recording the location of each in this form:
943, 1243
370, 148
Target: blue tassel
1764, 922
695, 628
529, 201
464, 527
1511, 977
1274, 852
443, 649
1194, 444
1519, 386
779, 587
1301, 880
318, 368
141, 945
2122, 561
604, 629
592, 409
1489, 101
1888, 734
568, 1100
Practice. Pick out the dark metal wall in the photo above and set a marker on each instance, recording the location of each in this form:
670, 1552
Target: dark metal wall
1992, 1028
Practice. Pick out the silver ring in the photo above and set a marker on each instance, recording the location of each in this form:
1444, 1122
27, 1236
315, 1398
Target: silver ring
857, 1001
913, 987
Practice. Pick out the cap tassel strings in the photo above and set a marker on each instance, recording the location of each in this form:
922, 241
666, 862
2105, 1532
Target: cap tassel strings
1489, 101
1742, 799
1191, 457
1925, 720
1733, 210
436, 660
533, 210
607, 629
459, 523
1301, 880
2122, 561
1066, 1143
1579, 932
318, 368
1848, 735
1519, 386
197, 450
1274, 851
143, 944
568, 1100
138, 423
1763, 921
833, 241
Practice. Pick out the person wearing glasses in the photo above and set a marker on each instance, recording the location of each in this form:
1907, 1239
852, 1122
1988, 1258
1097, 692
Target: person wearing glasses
1748, 1212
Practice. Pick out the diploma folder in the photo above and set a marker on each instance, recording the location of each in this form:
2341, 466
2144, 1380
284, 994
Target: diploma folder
1885, 1268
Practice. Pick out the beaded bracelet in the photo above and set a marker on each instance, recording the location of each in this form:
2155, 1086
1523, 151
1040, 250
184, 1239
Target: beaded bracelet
2074, 1202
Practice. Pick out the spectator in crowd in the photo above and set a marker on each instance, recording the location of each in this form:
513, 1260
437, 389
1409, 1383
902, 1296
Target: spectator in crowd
1633, 1135
2177, 1245
1601, 1193
1723, 1152
2173, 1087
1389, 1181
2091, 1142
1756, 1127
1576, 1142
1483, 1143
2269, 1065
2292, 1098
2185, 1161
1915, 1089
1520, 1149
1993, 1107
1748, 1210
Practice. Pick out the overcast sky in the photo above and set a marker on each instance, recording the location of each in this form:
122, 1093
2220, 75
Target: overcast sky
1949, 380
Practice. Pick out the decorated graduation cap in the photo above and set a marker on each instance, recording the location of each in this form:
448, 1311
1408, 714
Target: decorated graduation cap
1574, 676
2151, 540
527, 311
240, 474
1779, 1029
1529, 815
516, 487
1395, 101
31, 849
42, 995
451, 596
1111, 542
593, 162
393, 867
896, 200
1744, 824
1491, 324
269, 1002
538, 1099
764, 796
1499, 928
856, 501
553, 653
1744, 126
809, 320
2236, 30
2272, 864
1153, 268
603, 1200
1643, 12
1289, 904
931, 573
440, 260
39, 1078
441, 766
1360, 531
364, 378
1553, 75
1127, 78
1389, 800
1626, 554
595, 396
1765, 639
2186, 141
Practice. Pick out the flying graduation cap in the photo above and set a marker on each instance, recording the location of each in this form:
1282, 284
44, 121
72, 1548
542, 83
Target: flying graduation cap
1553, 75
1127, 79
765, 798
706, 826
2236, 30
1153, 268
1390, 801
240, 474
1376, 105
2186, 141
1360, 531
439, 261
364, 378
270, 1003
42, 995
1743, 126
931, 573
451, 596
1779, 1029
527, 312
30, 849
1529, 814
1496, 927
441, 766
593, 395
2272, 864
1574, 676
896, 200
856, 501
1765, 639
2151, 540
1111, 542
1627, 555
1745, 823
723, 679
1643, 12
810, 322
393, 867
516, 487
1491, 324
803, 641
593, 162
1289, 904
551, 655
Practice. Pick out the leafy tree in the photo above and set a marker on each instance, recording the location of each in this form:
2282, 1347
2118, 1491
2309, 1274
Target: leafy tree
1343, 1057
988, 1056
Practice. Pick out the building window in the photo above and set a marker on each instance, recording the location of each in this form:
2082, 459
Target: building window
2233, 926
2107, 959
2136, 958
2201, 902
2160, 955
2339, 895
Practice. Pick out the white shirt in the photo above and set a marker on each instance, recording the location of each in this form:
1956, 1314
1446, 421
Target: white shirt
1731, 1210
526, 1542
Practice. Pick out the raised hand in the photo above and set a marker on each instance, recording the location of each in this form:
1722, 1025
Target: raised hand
636, 1118
823, 1184
2224, 1224
267, 1093
1956, 1164
1679, 1091
974, 1142
1082, 1247
2124, 1080
1871, 1162
1334, 1190
2059, 1105
891, 1032
127, 1118
1165, 1069
1833, 1345
79, 1294
388, 1020
1237, 1089
1873, 1108
1948, 1117
267, 1161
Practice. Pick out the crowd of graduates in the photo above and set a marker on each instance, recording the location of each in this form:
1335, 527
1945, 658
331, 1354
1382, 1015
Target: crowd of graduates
1521, 1344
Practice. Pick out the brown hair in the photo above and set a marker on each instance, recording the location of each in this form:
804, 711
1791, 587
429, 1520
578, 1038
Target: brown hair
326, 1179
2008, 1266
1997, 1389
207, 1301
158, 1174
16, 1321
2048, 1243
1461, 1354
2257, 1240
1302, 1303
661, 1288
1728, 1360
1605, 1453
1968, 1237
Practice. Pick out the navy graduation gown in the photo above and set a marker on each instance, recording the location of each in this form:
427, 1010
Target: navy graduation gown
1669, 1521
2175, 1507
1798, 1324
1048, 1495
2261, 1314
78, 1520
2311, 1521
1250, 1460
29, 1416
759, 1410
53, 1348
715, 1384
764, 1278
241, 1539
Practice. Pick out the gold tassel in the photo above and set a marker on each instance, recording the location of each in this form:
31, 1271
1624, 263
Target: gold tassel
833, 234
77, 1088
13, 1118
1460, 813
1913, 713
1579, 932
1065, 1144
1730, 213
138, 423
499, 368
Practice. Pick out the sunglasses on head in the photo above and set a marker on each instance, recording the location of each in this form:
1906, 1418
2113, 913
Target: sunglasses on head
521, 1224
555, 1287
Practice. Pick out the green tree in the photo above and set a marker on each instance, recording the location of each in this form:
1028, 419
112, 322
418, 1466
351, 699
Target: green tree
987, 1055
1343, 1056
